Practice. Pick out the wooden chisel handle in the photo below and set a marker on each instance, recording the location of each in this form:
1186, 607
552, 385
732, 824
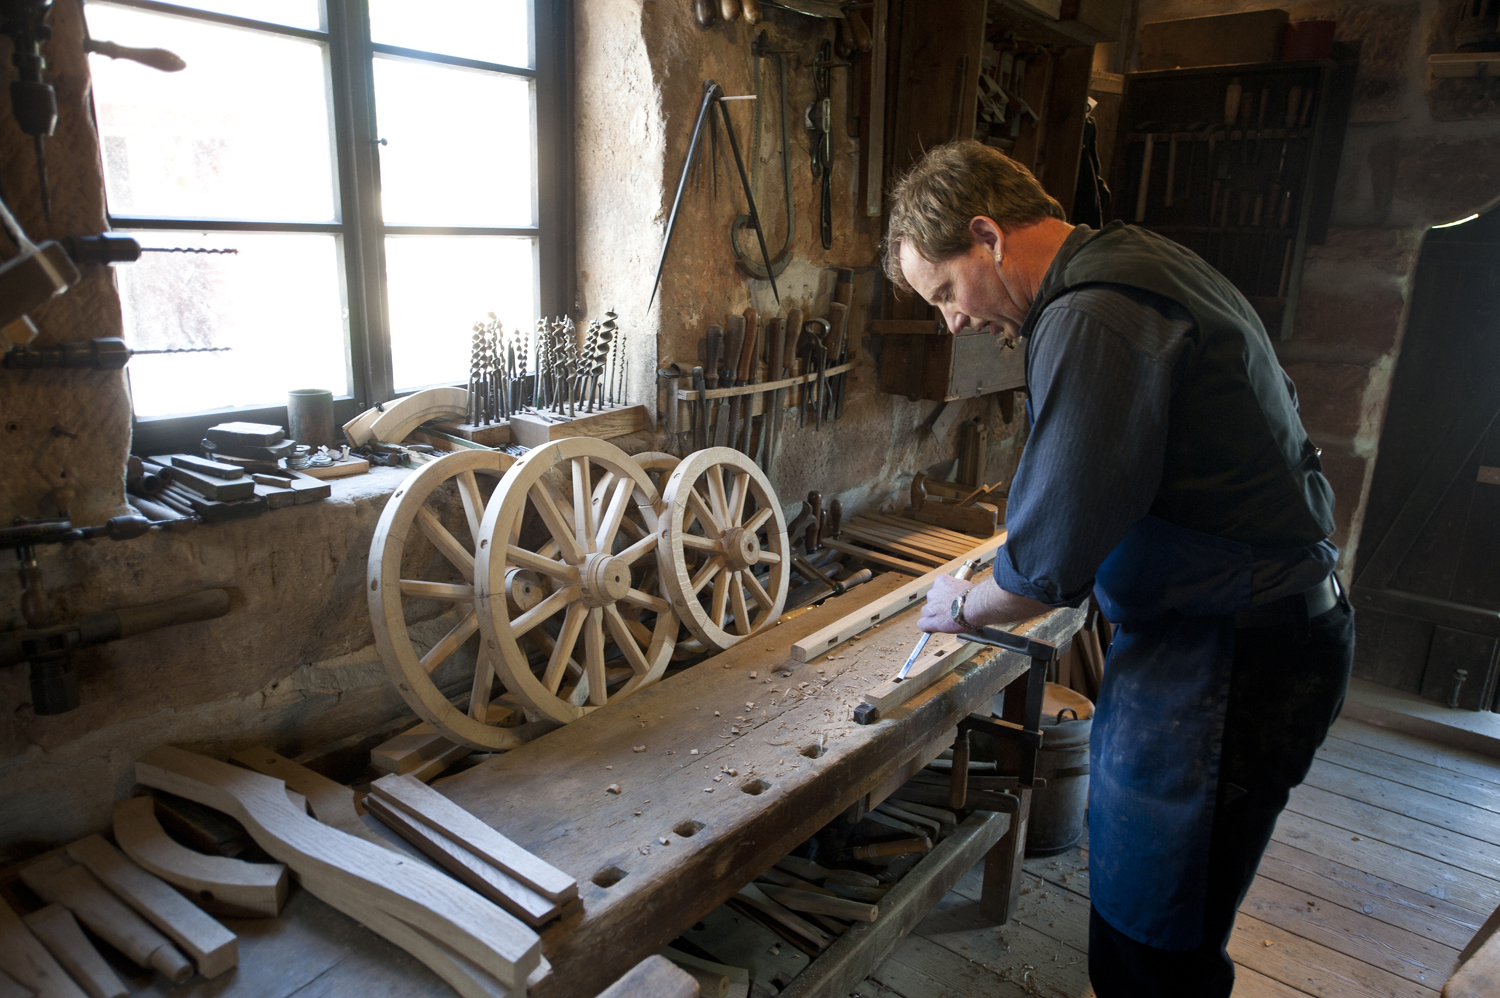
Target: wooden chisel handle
843, 288
732, 342
815, 501
838, 322
789, 332
775, 349
752, 340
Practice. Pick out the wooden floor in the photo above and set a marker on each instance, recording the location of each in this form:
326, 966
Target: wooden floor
1384, 864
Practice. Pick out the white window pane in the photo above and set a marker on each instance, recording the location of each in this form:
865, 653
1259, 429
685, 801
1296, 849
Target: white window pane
297, 13
438, 286
458, 145
277, 303
242, 132
493, 30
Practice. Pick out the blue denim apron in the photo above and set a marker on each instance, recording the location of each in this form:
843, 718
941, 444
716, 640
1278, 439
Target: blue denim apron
1158, 727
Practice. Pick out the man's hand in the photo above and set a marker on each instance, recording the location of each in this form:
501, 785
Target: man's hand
935, 615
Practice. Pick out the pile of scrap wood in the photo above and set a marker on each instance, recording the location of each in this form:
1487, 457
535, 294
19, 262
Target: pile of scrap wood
900, 544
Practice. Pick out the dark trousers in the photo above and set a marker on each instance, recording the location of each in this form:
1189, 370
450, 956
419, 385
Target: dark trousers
1286, 689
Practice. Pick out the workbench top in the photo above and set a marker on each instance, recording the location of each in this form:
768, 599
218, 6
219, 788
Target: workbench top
637, 801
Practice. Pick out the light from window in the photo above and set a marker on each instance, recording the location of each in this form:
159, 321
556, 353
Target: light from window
296, 13
439, 285
275, 304
494, 31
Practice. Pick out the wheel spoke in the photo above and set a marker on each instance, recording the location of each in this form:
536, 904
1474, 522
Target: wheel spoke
759, 591
545, 498
522, 558
448, 643
758, 520
738, 496
484, 681
626, 640
706, 573
694, 542
737, 599
562, 650
711, 523
543, 610
461, 557
583, 504
468, 491
646, 601
631, 554
614, 516
721, 594
593, 645
631, 529
716, 494
436, 590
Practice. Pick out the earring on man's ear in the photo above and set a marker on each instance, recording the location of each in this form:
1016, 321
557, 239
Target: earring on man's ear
998, 257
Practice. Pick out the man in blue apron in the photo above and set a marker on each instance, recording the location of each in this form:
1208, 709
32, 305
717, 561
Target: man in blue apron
1168, 473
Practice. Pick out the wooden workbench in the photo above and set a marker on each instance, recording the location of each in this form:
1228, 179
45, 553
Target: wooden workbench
783, 727
552, 796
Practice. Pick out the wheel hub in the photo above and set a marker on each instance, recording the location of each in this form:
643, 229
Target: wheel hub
604, 580
741, 549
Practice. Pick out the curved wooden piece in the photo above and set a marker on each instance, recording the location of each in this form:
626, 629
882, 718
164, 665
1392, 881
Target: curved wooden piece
590, 567
220, 885
405, 513
406, 414
715, 536
349, 873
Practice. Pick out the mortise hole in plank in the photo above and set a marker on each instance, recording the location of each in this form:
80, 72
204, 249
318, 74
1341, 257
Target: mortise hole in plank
814, 750
687, 828
755, 787
608, 877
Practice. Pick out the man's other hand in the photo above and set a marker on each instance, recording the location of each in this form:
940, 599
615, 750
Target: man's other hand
935, 612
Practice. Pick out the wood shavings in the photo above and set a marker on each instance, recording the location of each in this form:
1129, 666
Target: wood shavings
613, 788
695, 751
755, 675
664, 840
639, 748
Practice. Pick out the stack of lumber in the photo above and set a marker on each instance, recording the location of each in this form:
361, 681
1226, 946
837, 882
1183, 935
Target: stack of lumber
900, 544
491, 864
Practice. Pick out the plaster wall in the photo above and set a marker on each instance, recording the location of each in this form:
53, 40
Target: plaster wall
293, 665
1418, 152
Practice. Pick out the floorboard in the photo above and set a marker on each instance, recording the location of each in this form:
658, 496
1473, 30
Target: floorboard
1385, 863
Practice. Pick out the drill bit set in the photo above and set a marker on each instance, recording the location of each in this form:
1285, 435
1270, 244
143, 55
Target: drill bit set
569, 378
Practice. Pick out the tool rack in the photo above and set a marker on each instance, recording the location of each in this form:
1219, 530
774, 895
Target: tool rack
801, 760
1250, 187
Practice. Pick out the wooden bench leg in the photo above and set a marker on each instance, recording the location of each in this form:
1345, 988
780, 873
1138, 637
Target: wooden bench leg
1002, 864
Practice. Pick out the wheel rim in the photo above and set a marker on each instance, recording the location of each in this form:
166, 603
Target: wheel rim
715, 540
407, 515
588, 559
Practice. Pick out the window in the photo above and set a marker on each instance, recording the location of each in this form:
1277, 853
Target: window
335, 192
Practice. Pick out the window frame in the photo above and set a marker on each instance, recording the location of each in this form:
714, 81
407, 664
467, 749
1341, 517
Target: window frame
359, 228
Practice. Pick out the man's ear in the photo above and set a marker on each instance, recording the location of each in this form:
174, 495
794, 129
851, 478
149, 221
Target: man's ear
988, 234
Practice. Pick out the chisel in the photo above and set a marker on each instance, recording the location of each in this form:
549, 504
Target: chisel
724, 429
747, 377
771, 422
793, 330
838, 323
962, 575
714, 342
700, 410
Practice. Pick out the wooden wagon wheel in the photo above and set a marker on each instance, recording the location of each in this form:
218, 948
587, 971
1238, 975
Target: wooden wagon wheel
587, 564
729, 531
390, 592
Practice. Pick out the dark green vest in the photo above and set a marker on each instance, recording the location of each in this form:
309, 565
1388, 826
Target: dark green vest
1238, 462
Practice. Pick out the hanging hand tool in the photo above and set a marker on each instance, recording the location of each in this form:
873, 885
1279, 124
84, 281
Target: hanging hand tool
838, 322
843, 293
700, 410
964, 572
820, 139
671, 375
703, 13
712, 94
729, 10
725, 430
744, 405
771, 422
760, 48
813, 333
33, 101
713, 343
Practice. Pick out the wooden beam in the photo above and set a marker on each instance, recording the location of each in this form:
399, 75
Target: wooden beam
218, 884
347, 872
213, 948
907, 596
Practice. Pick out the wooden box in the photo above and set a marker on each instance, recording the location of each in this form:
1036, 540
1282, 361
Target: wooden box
530, 430
1221, 40
921, 360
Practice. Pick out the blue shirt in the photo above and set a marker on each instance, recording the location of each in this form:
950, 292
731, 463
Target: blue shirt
1104, 363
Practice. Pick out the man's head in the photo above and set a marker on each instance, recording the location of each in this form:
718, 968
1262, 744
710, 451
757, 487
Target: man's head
956, 235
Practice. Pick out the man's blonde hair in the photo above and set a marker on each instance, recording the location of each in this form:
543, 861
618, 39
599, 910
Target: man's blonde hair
952, 184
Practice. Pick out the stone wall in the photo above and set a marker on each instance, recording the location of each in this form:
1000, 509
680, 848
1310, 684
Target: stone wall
293, 665
1418, 152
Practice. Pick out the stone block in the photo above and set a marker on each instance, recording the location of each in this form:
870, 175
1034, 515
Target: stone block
1333, 398
1383, 32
